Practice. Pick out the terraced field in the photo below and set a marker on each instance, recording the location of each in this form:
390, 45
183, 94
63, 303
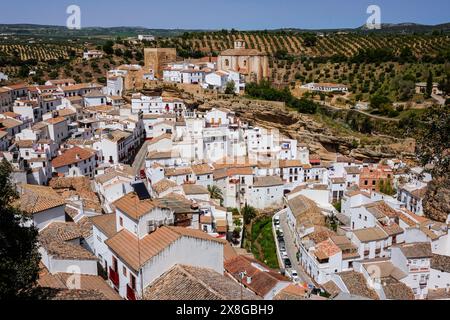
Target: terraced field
39, 52
294, 43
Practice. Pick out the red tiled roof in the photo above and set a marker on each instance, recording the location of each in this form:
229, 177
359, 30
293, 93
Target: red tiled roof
72, 156
262, 281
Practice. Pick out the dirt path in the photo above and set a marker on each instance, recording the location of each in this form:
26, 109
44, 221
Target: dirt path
365, 113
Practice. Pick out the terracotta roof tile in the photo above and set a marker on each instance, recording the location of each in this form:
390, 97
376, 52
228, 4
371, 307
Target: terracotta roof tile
125, 244
193, 283
163, 185
357, 285
90, 282
72, 156
269, 181
202, 169
133, 207
56, 239
106, 223
370, 234
416, 250
194, 189
55, 120
35, 199
262, 281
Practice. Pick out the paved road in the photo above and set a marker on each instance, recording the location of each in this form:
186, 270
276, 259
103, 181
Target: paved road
139, 160
292, 250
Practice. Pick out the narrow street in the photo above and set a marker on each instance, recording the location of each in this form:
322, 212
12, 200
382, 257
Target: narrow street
139, 160
292, 250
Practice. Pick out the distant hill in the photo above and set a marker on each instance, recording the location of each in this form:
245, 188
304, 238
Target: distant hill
394, 28
408, 28
62, 31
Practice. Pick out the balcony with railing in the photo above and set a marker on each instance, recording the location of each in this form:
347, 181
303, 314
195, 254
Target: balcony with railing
114, 277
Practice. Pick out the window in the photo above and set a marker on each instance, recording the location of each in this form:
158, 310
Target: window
121, 221
124, 270
115, 264
227, 62
133, 281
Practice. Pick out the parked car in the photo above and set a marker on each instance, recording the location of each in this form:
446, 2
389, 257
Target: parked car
284, 255
282, 246
276, 221
280, 235
287, 263
294, 276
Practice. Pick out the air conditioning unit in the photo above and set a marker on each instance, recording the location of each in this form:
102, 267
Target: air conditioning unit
170, 221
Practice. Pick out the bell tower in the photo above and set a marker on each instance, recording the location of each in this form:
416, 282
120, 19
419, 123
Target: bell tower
239, 44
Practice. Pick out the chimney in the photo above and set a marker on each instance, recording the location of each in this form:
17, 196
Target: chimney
77, 156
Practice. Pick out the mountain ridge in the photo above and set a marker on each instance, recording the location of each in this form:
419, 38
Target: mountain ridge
37, 29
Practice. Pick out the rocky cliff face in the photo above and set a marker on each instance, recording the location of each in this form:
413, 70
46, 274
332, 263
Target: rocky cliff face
320, 138
437, 200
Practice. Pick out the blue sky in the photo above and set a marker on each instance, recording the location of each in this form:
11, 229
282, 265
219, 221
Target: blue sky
217, 14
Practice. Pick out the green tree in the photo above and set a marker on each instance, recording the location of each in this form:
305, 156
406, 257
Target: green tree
215, 193
366, 126
378, 101
249, 213
19, 256
332, 222
338, 206
382, 187
230, 88
118, 52
108, 47
310, 40
444, 85
24, 71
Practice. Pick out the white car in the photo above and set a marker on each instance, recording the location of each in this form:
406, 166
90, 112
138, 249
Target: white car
294, 276
284, 255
